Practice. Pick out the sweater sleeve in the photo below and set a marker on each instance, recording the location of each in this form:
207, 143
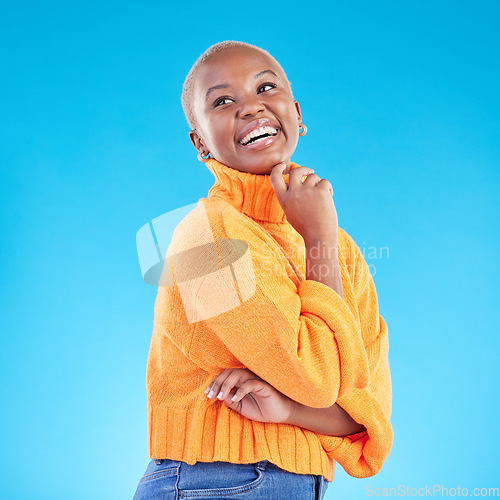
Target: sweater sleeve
247, 312
363, 454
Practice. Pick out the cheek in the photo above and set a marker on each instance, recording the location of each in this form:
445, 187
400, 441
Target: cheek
217, 136
293, 126
220, 129
290, 113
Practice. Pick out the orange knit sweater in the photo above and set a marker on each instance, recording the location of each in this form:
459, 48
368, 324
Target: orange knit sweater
233, 294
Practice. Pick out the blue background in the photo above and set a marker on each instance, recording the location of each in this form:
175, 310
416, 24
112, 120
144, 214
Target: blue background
401, 102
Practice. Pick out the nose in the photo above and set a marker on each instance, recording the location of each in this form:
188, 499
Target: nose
250, 106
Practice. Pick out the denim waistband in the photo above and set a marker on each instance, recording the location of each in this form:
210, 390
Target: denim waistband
175, 463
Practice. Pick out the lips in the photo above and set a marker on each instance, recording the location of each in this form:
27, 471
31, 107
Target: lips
259, 133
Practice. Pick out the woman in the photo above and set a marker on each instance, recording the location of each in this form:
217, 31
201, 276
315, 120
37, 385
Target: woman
264, 299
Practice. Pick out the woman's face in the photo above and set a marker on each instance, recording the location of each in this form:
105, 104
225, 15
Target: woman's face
245, 113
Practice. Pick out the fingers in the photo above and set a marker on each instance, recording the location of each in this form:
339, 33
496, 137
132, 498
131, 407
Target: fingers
277, 180
248, 387
326, 184
226, 380
295, 178
317, 181
312, 179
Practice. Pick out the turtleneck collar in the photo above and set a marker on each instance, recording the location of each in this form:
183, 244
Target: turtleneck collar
251, 194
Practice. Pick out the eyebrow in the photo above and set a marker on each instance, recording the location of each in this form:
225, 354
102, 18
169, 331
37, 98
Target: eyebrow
266, 71
226, 85
216, 87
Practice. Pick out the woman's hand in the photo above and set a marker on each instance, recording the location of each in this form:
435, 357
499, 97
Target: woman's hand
308, 205
253, 397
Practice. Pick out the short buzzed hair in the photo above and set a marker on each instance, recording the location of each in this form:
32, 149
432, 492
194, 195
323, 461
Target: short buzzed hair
188, 87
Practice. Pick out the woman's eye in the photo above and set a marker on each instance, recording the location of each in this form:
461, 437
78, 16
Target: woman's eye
222, 100
266, 86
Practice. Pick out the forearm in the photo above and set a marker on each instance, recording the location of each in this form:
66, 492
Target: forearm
322, 263
331, 421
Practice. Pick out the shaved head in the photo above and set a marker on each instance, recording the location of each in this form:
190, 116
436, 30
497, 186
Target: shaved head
189, 82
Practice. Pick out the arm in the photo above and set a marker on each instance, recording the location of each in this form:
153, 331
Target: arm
322, 262
363, 455
247, 394
360, 455
332, 421
322, 265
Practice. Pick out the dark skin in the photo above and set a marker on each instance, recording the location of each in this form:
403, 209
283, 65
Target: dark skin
232, 92
253, 87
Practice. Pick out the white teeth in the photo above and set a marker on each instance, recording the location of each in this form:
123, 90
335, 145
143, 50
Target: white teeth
257, 132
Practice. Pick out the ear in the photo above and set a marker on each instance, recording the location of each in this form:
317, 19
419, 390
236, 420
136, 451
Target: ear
299, 113
197, 141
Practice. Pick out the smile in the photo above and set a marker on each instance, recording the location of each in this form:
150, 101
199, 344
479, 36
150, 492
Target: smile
258, 135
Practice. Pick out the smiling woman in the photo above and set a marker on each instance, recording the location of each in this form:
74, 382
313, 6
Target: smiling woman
269, 358
237, 92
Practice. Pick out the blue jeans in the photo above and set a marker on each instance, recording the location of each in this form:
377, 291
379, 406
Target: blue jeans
172, 480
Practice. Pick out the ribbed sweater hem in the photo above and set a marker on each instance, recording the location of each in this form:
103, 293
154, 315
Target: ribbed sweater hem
215, 433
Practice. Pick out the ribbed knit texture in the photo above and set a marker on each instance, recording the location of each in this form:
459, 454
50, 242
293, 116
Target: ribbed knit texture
233, 294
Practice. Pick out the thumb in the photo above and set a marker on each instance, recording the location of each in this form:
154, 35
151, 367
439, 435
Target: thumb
277, 181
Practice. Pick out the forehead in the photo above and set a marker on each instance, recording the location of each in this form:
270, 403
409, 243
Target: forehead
234, 64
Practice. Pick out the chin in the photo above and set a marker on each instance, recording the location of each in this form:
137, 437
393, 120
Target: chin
266, 164
256, 163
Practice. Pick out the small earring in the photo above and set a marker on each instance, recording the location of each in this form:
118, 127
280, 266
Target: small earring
304, 129
204, 159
